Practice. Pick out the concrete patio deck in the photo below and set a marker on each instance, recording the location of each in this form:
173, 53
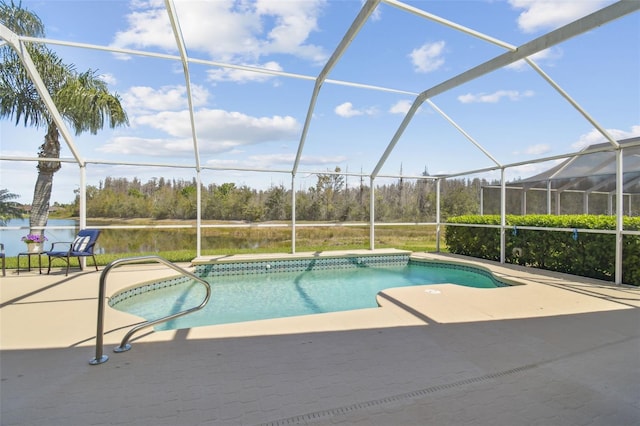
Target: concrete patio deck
557, 350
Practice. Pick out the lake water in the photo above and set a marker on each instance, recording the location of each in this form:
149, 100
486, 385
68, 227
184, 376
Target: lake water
127, 241
12, 238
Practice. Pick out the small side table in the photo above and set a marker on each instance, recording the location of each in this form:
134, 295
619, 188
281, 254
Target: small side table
28, 254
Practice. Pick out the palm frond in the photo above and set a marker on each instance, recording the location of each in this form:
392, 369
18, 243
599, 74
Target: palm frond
8, 209
20, 20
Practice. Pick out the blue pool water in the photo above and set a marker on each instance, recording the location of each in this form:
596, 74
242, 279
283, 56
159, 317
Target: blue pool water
252, 297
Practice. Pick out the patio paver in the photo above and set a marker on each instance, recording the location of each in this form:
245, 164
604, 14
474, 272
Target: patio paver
556, 351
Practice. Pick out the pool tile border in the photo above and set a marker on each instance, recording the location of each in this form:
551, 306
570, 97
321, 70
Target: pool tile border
270, 266
468, 268
298, 265
145, 288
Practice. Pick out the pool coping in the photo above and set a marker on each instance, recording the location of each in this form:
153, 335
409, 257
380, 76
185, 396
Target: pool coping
444, 356
69, 304
253, 269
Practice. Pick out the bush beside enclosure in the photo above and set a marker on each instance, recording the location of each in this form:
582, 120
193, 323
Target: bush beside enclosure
568, 249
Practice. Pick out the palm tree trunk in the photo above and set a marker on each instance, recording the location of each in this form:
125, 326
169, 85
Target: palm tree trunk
40, 205
44, 184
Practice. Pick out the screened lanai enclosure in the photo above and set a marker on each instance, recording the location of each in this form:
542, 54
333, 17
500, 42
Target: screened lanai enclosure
587, 181
534, 104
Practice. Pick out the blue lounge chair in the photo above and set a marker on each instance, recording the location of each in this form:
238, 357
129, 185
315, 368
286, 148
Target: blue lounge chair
82, 246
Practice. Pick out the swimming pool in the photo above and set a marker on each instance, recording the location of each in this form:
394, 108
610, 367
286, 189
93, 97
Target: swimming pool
275, 289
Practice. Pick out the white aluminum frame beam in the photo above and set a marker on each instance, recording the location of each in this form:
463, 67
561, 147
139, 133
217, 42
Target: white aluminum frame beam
18, 45
14, 41
582, 25
354, 29
464, 133
184, 59
619, 214
254, 69
587, 23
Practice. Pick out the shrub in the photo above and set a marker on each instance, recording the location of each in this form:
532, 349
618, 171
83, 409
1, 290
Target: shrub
569, 249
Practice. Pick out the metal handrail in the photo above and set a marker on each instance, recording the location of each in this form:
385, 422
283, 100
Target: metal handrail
100, 358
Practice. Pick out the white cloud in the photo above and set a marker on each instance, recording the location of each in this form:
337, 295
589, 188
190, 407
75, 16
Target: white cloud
148, 26
110, 79
549, 14
218, 162
528, 170
276, 160
547, 56
129, 145
495, 97
217, 130
401, 107
288, 159
143, 98
241, 76
294, 21
347, 110
272, 159
428, 57
539, 149
536, 150
235, 31
311, 160
594, 136
226, 125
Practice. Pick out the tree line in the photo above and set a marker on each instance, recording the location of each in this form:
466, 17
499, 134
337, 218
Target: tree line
330, 199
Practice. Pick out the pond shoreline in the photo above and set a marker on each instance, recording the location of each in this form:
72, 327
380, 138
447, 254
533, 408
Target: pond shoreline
136, 236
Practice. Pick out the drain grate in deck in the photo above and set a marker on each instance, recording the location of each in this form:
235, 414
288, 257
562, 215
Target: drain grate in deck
317, 415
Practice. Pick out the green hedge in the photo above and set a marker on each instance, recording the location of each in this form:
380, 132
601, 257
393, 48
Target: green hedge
573, 252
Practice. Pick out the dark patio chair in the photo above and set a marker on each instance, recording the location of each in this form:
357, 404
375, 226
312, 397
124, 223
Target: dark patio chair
82, 246
4, 272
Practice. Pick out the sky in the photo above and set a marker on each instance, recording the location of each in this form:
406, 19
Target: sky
248, 120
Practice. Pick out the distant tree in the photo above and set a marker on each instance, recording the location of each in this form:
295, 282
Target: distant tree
276, 203
187, 203
8, 209
458, 198
326, 194
82, 99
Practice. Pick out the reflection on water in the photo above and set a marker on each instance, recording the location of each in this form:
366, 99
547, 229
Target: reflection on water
133, 241
12, 238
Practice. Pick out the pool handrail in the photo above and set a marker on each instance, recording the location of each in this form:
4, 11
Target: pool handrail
100, 358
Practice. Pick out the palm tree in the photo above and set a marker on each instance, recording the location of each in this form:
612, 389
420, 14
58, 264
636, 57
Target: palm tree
8, 209
82, 99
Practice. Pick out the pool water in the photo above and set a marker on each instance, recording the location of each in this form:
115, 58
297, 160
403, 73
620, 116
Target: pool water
284, 294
